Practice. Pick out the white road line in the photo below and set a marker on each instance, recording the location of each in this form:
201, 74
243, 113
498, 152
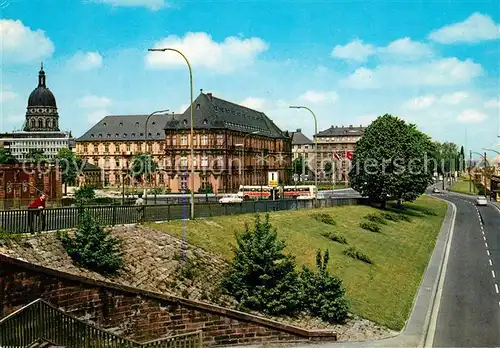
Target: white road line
493, 273
486, 244
484, 238
490, 262
496, 288
488, 252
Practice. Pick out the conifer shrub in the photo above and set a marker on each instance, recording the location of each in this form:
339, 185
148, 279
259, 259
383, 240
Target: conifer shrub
92, 246
323, 292
261, 277
323, 217
370, 226
335, 237
357, 254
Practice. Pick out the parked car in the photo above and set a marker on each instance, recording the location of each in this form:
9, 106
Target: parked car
481, 200
230, 198
435, 190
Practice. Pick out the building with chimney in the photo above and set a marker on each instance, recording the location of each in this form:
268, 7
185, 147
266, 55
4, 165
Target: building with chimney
40, 131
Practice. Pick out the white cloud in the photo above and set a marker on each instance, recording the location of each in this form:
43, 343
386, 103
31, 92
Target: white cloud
492, 103
440, 72
254, 103
6, 94
86, 60
20, 44
97, 115
477, 27
182, 108
471, 116
151, 4
92, 101
355, 50
454, 98
320, 97
226, 56
407, 49
420, 103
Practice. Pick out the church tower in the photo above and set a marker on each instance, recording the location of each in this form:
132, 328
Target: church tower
41, 113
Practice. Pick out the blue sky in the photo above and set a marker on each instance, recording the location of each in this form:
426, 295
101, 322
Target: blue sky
433, 63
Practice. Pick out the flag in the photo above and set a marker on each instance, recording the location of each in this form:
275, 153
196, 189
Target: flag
348, 154
336, 155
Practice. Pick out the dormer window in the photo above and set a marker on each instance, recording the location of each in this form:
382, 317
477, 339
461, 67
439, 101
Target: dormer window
121, 123
117, 135
198, 107
133, 134
154, 122
205, 121
185, 121
104, 124
91, 135
124, 135
142, 134
149, 134
137, 123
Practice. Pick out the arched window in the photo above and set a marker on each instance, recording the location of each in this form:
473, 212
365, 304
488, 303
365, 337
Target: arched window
32, 123
49, 123
40, 123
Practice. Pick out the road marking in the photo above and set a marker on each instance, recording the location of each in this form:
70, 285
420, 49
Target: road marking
486, 244
490, 262
493, 273
488, 252
484, 238
496, 288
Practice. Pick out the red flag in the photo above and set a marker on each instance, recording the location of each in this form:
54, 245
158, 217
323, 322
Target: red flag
336, 155
348, 154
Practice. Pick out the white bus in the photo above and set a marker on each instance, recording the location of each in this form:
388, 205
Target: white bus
300, 192
255, 192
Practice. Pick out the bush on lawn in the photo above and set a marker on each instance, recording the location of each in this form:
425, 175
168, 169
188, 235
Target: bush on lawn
323, 292
93, 247
323, 217
370, 226
335, 237
357, 254
376, 219
261, 277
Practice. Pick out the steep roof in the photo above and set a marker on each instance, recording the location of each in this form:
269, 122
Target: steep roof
339, 131
127, 127
298, 138
214, 113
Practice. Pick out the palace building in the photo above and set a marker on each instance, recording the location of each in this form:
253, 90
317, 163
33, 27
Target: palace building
41, 127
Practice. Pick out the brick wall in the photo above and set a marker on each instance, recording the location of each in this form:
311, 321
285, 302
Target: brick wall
138, 314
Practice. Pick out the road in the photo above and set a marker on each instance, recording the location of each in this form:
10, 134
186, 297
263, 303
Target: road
468, 313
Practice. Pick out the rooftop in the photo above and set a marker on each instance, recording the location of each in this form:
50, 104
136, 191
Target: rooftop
298, 138
339, 131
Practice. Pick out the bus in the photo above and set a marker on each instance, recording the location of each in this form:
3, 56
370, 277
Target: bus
300, 192
255, 192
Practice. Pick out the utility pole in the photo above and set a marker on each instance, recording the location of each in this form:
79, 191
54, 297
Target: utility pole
470, 174
485, 168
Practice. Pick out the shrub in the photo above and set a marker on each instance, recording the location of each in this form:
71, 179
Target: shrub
357, 254
430, 212
404, 217
323, 217
323, 292
370, 226
92, 246
84, 194
376, 219
335, 237
261, 277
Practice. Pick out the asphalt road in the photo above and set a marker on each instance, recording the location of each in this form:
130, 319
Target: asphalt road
469, 308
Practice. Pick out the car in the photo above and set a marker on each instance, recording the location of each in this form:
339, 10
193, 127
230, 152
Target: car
481, 200
230, 198
435, 190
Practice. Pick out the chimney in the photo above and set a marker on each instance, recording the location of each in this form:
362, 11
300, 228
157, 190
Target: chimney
350, 126
201, 90
209, 95
299, 130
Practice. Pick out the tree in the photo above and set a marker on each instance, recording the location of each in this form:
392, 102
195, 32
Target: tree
328, 168
36, 155
261, 277
6, 157
323, 292
299, 166
143, 164
392, 161
461, 158
93, 247
84, 195
70, 165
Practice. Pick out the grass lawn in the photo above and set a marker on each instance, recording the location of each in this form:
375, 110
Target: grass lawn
382, 292
462, 186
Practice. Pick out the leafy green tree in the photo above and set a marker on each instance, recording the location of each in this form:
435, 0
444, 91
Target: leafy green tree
69, 164
461, 160
323, 292
6, 157
328, 168
93, 247
84, 195
299, 166
392, 161
261, 276
143, 165
36, 155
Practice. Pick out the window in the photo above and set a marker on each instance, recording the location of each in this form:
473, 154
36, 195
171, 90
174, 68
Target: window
194, 140
205, 121
149, 148
219, 162
220, 139
133, 134
183, 139
174, 140
121, 123
106, 162
204, 139
104, 124
106, 148
128, 147
204, 161
184, 161
117, 164
183, 183
84, 148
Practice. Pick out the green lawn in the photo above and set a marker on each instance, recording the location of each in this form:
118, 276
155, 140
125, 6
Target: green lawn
382, 292
462, 186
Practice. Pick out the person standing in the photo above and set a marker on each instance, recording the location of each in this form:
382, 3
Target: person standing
35, 209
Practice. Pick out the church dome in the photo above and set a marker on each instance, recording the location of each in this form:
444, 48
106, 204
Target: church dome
42, 96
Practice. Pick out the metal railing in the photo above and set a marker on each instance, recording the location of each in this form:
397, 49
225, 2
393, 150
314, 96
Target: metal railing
52, 219
39, 320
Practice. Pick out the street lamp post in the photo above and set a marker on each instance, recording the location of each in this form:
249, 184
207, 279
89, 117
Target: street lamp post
146, 148
242, 182
315, 142
192, 117
483, 156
